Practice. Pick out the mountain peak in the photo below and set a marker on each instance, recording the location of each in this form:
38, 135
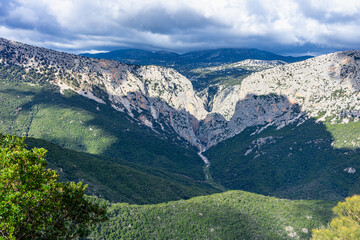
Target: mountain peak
159, 96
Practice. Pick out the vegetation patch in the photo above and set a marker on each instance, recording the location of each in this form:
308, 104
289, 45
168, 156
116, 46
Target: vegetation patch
229, 215
300, 163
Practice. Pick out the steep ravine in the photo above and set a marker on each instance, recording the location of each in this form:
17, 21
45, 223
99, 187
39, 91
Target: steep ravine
165, 101
208, 177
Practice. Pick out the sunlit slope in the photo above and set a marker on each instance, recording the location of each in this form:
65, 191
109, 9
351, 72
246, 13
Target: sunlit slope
229, 215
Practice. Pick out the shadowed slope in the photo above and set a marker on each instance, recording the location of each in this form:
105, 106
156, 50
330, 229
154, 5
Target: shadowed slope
118, 180
165, 170
296, 161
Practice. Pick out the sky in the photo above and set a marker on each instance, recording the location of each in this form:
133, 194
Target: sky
289, 27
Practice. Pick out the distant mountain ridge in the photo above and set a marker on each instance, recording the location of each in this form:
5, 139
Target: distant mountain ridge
211, 57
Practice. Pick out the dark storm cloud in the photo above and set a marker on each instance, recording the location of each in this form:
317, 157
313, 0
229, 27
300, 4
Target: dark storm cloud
4, 8
33, 25
158, 20
329, 17
281, 26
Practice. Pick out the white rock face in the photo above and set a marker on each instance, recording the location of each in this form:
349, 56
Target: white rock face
158, 95
350, 170
317, 84
327, 85
165, 101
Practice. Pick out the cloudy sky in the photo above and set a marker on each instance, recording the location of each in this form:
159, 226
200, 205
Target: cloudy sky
282, 26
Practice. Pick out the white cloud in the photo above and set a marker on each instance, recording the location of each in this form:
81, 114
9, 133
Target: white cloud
181, 24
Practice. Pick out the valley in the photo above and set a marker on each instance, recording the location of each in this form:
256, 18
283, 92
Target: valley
92, 134
285, 130
208, 177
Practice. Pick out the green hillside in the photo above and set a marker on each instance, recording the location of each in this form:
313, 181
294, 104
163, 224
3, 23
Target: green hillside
34, 109
229, 215
297, 162
118, 180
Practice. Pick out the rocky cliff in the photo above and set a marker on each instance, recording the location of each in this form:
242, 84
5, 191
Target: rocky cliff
325, 87
162, 99
157, 97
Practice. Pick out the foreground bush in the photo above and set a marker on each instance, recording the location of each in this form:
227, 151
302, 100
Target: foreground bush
33, 204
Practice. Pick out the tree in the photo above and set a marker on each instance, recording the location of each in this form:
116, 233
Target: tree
33, 204
346, 226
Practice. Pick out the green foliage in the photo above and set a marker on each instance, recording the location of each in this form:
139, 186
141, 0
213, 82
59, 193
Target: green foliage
300, 163
346, 224
119, 180
15, 73
33, 204
345, 135
228, 76
229, 215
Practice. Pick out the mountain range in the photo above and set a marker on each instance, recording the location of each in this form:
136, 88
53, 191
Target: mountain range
212, 57
278, 126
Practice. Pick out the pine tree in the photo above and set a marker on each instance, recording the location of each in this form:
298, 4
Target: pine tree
346, 226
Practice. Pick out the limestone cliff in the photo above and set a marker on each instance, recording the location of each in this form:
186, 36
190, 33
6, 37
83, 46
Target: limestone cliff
162, 99
326, 87
158, 97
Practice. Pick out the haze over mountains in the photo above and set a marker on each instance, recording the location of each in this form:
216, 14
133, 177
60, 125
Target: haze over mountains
273, 125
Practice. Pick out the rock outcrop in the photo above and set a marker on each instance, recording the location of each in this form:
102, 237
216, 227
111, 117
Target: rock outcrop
326, 87
154, 96
162, 99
